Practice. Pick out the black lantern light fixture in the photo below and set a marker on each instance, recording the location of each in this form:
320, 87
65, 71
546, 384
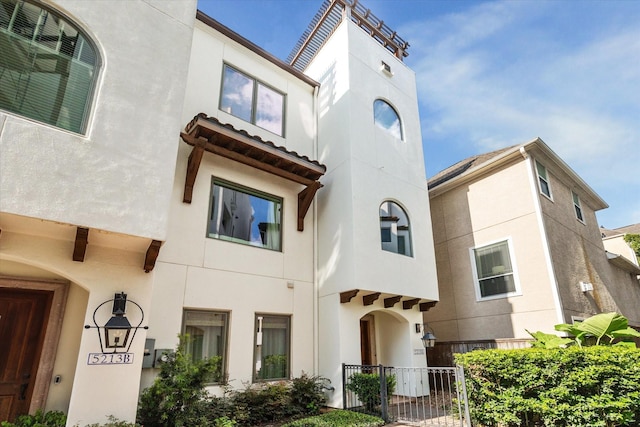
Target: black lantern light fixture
118, 328
428, 338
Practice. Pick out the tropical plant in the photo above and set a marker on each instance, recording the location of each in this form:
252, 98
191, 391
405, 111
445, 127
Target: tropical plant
600, 329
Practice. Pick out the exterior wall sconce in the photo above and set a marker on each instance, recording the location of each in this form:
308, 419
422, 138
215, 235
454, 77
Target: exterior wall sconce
117, 329
428, 338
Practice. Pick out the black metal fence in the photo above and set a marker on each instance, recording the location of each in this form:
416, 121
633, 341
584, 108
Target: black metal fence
420, 396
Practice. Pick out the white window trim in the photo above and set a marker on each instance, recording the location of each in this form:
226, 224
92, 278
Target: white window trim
514, 265
547, 180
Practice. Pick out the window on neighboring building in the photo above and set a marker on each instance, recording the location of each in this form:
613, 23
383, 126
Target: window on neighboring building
272, 343
577, 206
494, 273
543, 180
48, 67
386, 117
251, 100
395, 233
243, 215
207, 338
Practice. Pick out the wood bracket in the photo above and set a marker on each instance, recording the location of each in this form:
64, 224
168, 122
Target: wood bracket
391, 301
193, 164
152, 255
425, 306
369, 299
305, 197
408, 304
82, 240
347, 296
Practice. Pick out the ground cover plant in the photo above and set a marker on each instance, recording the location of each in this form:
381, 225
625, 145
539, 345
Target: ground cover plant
338, 418
577, 386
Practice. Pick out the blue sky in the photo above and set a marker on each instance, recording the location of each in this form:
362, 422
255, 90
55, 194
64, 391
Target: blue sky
496, 73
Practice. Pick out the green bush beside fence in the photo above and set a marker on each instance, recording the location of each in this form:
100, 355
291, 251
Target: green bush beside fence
591, 386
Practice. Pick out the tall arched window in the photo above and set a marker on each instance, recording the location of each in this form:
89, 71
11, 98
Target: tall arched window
395, 232
386, 117
48, 67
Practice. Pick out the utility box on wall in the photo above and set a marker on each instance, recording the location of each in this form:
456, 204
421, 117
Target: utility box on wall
149, 353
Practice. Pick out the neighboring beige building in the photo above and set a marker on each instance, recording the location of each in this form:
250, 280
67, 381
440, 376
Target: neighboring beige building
616, 246
518, 248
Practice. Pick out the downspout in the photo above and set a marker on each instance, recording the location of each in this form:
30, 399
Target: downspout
316, 336
543, 235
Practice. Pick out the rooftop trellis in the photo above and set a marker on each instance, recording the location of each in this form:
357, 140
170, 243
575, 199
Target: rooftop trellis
327, 19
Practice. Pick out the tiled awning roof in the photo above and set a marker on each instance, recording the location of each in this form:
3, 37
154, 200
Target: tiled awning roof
208, 134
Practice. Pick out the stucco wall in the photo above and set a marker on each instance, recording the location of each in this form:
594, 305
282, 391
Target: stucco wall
117, 176
492, 208
198, 272
367, 166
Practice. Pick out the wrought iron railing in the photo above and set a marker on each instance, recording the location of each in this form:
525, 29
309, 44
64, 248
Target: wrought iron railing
434, 396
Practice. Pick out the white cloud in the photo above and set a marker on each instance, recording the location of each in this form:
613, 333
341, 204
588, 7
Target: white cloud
505, 72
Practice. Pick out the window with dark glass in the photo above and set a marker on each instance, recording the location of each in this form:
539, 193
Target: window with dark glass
242, 215
206, 333
494, 270
252, 101
48, 67
577, 207
272, 343
395, 233
386, 117
543, 180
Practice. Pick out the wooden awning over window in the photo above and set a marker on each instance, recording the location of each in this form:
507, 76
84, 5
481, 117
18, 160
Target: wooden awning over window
208, 134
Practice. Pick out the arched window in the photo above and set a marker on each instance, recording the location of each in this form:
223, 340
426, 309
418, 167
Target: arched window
48, 67
386, 117
395, 232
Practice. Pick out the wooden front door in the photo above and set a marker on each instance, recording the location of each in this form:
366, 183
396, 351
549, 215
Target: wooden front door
23, 322
367, 341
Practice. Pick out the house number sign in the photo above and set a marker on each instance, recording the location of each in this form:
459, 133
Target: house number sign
110, 359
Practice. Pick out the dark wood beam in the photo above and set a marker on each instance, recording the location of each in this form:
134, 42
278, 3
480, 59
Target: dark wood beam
391, 301
348, 295
408, 304
193, 165
425, 306
369, 299
305, 197
152, 255
80, 247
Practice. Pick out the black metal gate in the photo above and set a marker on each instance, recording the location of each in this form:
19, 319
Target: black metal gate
420, 396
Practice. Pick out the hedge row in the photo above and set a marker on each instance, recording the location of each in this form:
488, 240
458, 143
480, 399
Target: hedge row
591, 386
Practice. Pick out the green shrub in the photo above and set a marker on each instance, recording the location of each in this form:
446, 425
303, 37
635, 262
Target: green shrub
367, 388
307, 394
589, 386
338, 418
39, 419
177, 397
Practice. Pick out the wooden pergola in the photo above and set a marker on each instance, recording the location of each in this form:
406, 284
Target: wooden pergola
207, 134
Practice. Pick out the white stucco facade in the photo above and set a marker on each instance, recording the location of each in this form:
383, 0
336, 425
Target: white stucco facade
113, 180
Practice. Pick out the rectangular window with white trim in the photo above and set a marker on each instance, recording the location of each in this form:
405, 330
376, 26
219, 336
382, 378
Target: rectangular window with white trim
543, 180
272, 344
577, 207
494, 271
